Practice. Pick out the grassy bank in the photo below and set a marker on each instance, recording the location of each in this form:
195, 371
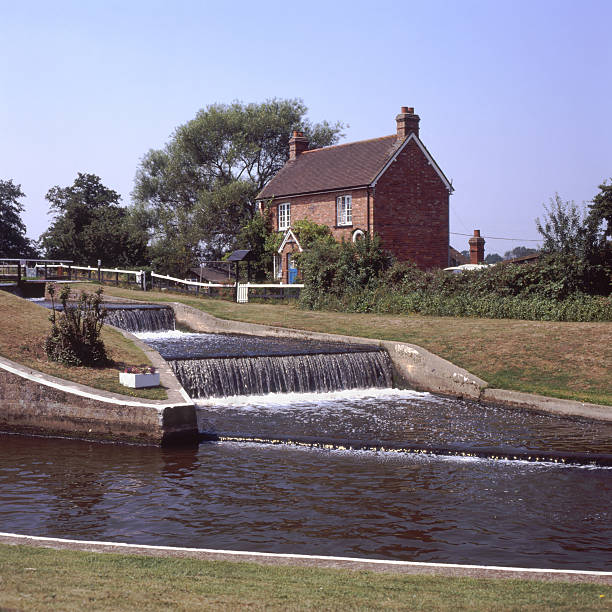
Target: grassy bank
38, 578
565, 360
24, 328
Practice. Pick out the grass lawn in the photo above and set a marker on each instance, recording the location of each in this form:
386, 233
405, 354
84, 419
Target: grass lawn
45, 579
23, 328
565, 360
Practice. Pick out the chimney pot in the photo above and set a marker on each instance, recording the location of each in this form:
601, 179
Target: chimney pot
476, 243
407, 122
298, 143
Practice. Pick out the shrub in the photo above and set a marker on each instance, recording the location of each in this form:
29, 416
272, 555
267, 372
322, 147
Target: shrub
357, 278
334, 270
75, 330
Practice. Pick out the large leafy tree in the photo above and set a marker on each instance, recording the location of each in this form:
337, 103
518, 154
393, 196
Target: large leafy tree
90, 225
197, 193
13, 241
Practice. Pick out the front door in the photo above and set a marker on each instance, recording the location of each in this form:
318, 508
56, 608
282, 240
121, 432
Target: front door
291, 269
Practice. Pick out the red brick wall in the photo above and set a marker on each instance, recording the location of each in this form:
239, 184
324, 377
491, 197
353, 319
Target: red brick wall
321, 208
410, 210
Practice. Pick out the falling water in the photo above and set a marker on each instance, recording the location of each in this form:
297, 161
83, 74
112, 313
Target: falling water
203, 378
141, 319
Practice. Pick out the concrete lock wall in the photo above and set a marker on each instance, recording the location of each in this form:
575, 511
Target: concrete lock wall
36, 403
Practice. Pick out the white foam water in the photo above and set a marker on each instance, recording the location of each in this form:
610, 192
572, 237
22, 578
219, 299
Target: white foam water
314, 400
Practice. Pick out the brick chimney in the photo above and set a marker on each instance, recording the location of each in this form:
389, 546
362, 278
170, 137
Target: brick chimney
298, 143
407, 122
476, 243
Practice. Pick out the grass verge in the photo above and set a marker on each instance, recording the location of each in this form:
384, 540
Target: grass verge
39, 578
24, 326
565, 360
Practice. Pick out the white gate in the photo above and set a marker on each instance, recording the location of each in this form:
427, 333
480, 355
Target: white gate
243, 294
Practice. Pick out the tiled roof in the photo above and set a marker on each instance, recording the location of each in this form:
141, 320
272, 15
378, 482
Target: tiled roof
336, 167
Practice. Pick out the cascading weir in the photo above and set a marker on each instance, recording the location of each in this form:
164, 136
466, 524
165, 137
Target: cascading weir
140, 318
224, 377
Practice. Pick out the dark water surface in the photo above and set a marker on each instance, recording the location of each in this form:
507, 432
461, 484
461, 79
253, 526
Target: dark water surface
181, 345
399, 417
284, 499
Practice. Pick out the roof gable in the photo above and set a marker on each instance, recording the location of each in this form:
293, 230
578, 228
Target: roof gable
426, 153
289, 235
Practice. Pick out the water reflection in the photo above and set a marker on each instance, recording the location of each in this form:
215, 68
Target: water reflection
282, 499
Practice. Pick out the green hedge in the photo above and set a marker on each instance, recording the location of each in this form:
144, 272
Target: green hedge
357, 278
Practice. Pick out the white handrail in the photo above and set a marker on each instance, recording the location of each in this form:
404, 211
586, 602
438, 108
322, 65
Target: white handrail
273, 286
90, 268
193, 283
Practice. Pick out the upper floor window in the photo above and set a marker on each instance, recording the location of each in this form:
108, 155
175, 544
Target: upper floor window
284, 216
344, 210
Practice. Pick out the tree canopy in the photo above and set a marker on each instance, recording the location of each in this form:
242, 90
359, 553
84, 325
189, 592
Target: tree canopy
90, 225
13, 241
198, 192
519, 251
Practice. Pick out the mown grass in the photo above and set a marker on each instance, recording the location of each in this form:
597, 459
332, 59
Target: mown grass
23, 328
565, 360
45, 579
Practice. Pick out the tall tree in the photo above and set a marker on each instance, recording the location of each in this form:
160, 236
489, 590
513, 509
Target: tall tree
13, 241
601, 208
568, 230
90, 225
197, 192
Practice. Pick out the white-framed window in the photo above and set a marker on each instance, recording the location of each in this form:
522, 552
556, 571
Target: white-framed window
344, 210
284, 216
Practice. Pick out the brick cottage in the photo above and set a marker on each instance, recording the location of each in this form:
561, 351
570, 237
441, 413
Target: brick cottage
390, 186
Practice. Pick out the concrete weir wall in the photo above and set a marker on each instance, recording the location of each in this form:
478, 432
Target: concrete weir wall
413, 366
36, 403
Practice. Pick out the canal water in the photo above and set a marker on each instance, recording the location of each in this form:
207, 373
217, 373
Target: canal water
274, 497
283, 498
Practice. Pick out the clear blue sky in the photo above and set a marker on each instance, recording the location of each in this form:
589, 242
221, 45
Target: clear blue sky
514, 97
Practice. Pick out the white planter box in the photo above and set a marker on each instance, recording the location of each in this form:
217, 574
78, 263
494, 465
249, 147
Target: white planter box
139, 381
